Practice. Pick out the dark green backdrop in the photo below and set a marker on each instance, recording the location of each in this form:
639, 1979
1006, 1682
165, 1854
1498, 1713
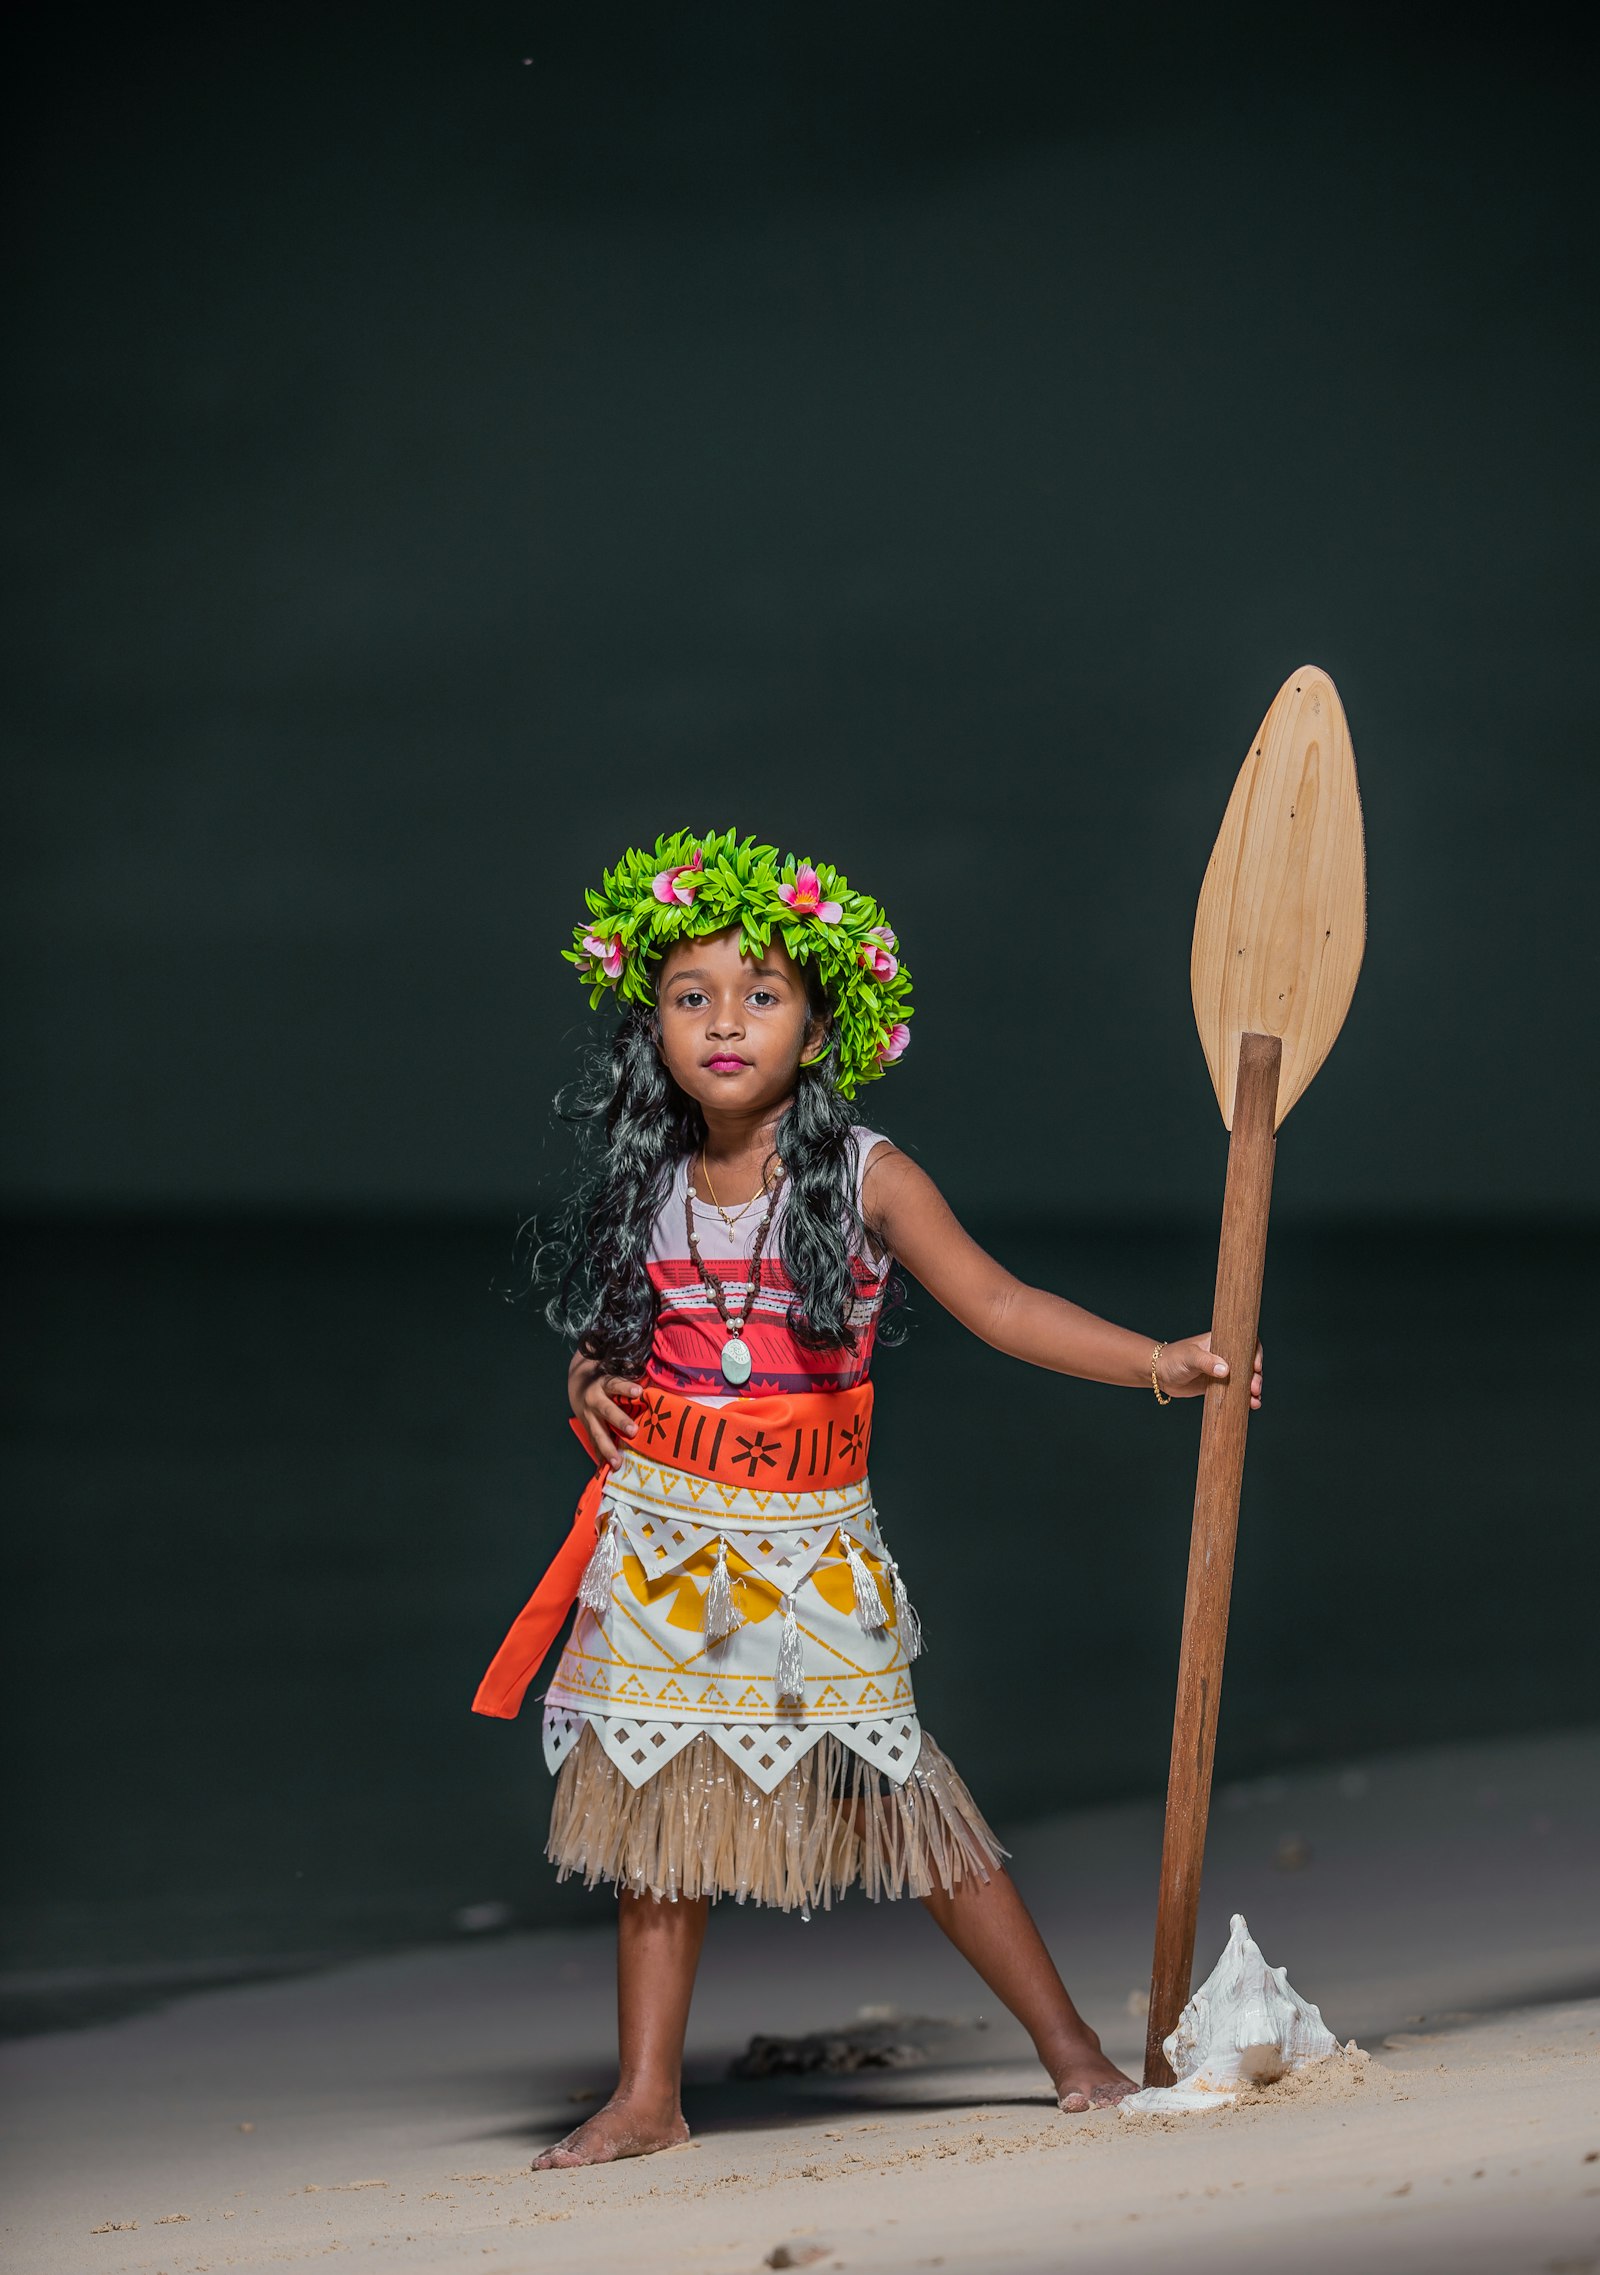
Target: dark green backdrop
929, 439
926, 436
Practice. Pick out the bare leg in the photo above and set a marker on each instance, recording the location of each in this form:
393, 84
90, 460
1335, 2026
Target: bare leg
993, 1930
658, 1950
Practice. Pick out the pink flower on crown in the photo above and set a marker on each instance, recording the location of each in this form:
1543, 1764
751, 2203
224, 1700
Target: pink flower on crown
875, 954
894, 1043
804, 896
670, 888
610, 955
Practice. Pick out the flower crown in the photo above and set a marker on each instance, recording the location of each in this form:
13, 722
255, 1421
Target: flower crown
690, 886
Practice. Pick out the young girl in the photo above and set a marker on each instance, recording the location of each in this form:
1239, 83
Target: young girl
733, 1713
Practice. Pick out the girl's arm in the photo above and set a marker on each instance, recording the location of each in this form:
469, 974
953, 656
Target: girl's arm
906, 1213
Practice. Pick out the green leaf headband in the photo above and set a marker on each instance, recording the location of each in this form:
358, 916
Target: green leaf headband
689, 886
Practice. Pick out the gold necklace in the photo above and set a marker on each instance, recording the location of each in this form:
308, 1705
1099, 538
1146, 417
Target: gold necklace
732, 1221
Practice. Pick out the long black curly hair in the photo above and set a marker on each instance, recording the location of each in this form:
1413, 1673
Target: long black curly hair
638, 1125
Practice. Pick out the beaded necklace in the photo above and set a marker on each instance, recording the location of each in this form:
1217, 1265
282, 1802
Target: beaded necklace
735, 1355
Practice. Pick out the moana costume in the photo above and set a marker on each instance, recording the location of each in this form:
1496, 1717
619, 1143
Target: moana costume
733, 1713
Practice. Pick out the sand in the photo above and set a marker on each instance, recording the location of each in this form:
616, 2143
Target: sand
1442, 1907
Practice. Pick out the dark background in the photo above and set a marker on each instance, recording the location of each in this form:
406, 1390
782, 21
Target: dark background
924, 436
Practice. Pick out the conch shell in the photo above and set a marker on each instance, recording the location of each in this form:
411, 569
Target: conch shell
1244, 2026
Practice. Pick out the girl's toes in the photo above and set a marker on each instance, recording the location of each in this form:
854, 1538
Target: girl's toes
1073, 2102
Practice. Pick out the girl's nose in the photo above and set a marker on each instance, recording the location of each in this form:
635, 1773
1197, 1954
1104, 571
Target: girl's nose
725, 1020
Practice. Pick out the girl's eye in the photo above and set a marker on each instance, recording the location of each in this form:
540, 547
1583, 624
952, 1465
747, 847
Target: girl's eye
689, 998
762, 995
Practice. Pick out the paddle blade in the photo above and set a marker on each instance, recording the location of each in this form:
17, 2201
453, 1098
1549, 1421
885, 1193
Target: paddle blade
1282, 918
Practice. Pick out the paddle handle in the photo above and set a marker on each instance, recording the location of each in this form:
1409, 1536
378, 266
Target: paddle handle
1235, 1314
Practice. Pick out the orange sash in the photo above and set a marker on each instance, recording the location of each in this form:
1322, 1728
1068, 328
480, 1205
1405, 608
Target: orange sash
811, 1443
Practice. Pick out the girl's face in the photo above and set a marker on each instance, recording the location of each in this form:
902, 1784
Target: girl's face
733, 1030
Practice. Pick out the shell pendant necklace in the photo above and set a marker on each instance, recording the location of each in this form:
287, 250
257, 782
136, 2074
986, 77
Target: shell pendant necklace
735, 1355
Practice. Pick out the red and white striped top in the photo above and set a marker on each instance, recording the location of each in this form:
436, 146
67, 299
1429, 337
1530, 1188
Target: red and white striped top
686, 1354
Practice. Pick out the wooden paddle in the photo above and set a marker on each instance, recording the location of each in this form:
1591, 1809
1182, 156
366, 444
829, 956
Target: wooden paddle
1278, 937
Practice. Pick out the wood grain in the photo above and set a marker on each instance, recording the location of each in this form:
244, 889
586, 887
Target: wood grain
1236, 1311
1282, 920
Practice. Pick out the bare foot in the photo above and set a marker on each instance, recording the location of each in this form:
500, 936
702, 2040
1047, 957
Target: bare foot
620, 2129
1086, 2079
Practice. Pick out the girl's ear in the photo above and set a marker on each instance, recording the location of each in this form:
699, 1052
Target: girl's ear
819, 1023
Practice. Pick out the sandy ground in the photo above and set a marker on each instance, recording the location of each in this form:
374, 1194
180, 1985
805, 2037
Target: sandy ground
1443, 1908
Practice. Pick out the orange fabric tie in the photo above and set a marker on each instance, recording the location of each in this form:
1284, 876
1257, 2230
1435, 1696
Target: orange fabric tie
811, 1443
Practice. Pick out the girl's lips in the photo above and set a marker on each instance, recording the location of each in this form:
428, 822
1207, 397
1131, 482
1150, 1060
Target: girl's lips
726, 1063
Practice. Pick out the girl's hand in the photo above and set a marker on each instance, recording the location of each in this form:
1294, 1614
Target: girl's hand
593, 1394
1186, 1369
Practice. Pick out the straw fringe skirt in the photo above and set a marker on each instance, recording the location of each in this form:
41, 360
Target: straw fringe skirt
701, 1827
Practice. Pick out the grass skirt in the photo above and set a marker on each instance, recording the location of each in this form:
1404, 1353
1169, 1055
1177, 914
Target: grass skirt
701, 1827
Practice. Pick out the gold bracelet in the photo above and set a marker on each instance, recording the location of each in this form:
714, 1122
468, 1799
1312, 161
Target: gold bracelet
1163, 1397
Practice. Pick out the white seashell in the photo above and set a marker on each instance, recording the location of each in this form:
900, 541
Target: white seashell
1245, 2025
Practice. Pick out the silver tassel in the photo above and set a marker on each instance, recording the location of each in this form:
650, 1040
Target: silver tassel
600, 1573
905, 1616
790, 1675
722, 1613
870, 1614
